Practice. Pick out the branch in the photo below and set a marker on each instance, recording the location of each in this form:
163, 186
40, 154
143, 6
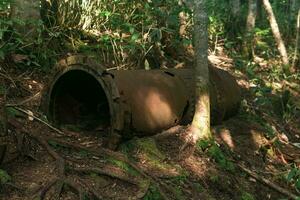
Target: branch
30, 114
268, 183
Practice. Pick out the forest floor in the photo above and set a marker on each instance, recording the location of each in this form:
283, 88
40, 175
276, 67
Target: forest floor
255, 154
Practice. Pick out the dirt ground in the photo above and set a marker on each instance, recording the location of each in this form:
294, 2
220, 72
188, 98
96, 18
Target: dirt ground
141, 169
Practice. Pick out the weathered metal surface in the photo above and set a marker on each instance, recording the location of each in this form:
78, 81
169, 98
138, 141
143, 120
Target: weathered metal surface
155, 100
136, 101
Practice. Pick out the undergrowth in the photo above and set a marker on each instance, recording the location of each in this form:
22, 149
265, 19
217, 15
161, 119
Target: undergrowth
211, 148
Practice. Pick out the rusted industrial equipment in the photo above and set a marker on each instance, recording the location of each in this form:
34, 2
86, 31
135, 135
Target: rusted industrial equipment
132, 101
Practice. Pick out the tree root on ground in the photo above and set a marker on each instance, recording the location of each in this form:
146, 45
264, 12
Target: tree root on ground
79, 185
181, 139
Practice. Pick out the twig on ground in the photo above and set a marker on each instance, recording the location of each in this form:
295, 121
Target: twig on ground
24, 101
30, 114
268, 183
294, 145
8, 78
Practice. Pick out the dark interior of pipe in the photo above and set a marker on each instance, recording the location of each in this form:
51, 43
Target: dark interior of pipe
79, 101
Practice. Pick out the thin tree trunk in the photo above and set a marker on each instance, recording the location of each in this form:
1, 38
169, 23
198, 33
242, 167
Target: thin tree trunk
236, 7
248, 44
200, 126
183, 21
201, 119
294, 6
27, 11
252, 11
276, 33
297, 43
259, 9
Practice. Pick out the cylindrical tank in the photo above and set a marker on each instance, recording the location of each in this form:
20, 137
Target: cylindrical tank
139, 102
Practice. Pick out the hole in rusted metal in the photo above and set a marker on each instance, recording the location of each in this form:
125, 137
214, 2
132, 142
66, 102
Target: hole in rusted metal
79, 100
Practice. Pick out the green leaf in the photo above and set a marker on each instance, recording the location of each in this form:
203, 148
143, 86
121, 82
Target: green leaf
2, 54
105, 38
2, 90
53, 143
134, 37
291, 174
297, 185
4, 177
131, 29
105, 13
12, 112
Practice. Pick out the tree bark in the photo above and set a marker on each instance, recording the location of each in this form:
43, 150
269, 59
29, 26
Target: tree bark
187, 137
259, 9
251, 17
28, 11
201, 119
297, 43
250, 25
236, 7
183, 21
276, 33
294, 6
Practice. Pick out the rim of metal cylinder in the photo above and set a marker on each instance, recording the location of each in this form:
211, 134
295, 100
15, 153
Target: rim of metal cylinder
104, 80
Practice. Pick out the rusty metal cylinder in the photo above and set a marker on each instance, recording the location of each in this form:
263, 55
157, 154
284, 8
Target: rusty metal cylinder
139, 102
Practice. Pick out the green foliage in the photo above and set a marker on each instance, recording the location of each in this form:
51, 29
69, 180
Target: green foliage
294, 177
214, 151
4, 177
126, 29
123, 166
12, 112
178, 182
152, 194
126, 32
37, 51
149, 153
247, 196
2, 90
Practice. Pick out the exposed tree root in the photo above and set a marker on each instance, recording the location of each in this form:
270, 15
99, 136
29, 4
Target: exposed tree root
61, 163
181, 139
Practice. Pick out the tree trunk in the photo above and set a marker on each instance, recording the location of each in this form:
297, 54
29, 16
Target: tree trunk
297, 43
236, 6
276, 33
259, 9
28, 11
183, 21
252, 11
187, 137
248, 43
201, 119
294, 6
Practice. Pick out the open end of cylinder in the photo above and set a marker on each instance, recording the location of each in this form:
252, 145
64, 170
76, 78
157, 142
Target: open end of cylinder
78, 101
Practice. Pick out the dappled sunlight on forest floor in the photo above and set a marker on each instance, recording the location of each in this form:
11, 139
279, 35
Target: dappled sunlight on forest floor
263, 138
